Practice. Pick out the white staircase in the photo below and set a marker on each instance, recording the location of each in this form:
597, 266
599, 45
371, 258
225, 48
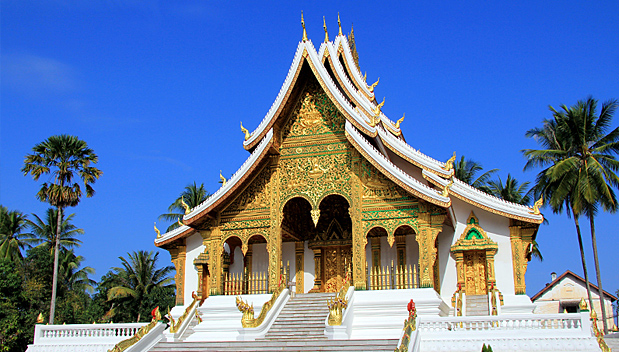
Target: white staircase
299, 327
476, 305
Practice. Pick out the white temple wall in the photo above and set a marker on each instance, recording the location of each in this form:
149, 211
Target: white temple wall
387, 253
447, 263
260, 258
236, 264
412, 251
497, 228
308, 267
194, 248
288, 255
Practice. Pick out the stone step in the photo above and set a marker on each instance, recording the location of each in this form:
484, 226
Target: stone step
288, 345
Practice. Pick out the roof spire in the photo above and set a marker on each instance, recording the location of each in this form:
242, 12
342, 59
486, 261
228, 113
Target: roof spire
339, 24
324, 25
303, 24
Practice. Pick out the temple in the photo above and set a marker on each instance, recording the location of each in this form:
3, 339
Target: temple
334, 231
331, 188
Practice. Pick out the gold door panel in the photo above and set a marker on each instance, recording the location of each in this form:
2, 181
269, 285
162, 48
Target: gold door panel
335, 261
475, 272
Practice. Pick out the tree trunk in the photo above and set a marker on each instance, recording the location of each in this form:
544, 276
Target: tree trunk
52, 306
582, 257
597, 273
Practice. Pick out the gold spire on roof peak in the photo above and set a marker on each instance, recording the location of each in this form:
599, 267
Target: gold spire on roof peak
324, 25
339, 24
303, 24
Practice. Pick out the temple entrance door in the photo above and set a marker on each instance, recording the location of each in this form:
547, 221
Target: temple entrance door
475, 272
336, 260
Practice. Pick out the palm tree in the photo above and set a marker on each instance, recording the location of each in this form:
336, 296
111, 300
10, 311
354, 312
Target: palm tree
466, 171
12, 240
138, 276
192, 195
581, 166
66, 158
510, 191
70, 274
46, 229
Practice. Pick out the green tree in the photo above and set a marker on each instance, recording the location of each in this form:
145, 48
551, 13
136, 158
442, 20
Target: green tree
193, 195
72, 276
466, 170
511, 191
66, 158
12, 238
138, 277
580, 166
45, 231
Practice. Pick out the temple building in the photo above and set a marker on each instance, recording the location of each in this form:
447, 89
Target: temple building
331, 190
333, 232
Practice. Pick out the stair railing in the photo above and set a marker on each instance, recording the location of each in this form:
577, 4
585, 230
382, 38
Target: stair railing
145, 338
249, 320
180, 325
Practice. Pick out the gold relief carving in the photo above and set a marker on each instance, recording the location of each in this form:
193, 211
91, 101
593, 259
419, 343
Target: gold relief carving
359, 240
178, 255
430, 225
475, 272
317, 269
308, 115
390, 239
255, 196
521, 237
315, 213
244, 248
299, 266
215, 263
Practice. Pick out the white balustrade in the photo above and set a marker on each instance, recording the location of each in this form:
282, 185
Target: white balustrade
94, 333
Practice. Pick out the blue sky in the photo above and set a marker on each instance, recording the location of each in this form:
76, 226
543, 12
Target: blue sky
157, 89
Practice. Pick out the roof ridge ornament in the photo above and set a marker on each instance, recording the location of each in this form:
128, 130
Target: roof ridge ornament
324, 25
376, 117
445, 192
449, 165
303, 24
537, 205
397, 123
157, 230
244, 130
339, 24
185, 206
371, 89
222, 178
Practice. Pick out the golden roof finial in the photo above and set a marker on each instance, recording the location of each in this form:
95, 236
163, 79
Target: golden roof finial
40, 319
445, 192
365, 76
583, 305
244, 130
449, 165
157, 230
376, 117
303, 24
324, 25
374, 85
179, 222
222, 178
339, 24
397, 123
185, 206
537, 205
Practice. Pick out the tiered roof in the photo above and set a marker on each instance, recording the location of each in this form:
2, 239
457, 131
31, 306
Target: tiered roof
364, 123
